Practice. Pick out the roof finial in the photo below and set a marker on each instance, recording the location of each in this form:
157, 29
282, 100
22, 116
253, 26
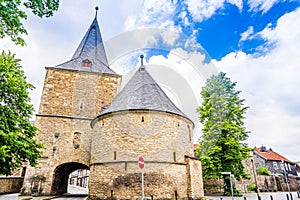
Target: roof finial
142, 67
96, 8
142, 62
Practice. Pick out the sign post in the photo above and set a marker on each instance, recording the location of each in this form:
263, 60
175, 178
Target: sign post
142, 165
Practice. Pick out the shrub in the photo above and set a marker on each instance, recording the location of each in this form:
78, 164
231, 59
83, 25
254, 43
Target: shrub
263, 171
252, 187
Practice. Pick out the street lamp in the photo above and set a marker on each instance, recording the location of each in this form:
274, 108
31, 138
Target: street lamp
230, 176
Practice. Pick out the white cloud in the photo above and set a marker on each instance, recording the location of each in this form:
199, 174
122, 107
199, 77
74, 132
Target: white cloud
261, 5
237, 3
204, 9
155, 13
247, 34
270, 86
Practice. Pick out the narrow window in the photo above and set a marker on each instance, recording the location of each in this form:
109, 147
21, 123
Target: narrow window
176, 194
23, 171
125, 166
115, 155
56, 134
142, 119
190, 132
111, 193
174, 156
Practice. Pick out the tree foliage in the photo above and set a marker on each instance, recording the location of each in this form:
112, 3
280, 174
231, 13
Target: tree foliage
17, 143
222, 147
12, 14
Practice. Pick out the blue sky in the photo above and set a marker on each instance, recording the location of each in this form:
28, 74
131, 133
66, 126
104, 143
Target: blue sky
256, 42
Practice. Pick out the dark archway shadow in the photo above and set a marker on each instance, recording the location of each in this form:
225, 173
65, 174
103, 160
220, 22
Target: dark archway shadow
61, 175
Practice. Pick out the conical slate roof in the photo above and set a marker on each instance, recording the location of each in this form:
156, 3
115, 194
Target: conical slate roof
142, 93
90, 55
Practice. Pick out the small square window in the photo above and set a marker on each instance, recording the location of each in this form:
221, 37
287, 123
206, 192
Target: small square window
86, 63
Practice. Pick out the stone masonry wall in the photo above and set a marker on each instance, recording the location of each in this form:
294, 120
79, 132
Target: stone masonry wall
158, 137
194, 172
106, 182
69, 101
80, 94
10, 184
66, 140
163, 140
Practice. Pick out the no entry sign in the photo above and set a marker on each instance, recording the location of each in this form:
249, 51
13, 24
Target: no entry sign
141, 162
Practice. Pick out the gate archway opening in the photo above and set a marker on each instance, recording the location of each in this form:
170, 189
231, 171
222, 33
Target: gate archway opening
61, 176
78, 182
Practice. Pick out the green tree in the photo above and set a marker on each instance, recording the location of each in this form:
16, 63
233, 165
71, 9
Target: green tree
12, 14
17, 134
222, 147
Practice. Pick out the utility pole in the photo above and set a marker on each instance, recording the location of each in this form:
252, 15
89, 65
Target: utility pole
254, 174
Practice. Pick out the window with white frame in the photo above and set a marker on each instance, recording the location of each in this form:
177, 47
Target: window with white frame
275, 165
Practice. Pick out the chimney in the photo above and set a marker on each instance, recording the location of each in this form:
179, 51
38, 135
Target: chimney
263, 149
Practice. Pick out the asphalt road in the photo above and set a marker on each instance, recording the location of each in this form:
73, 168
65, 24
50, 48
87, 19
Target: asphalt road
250, 196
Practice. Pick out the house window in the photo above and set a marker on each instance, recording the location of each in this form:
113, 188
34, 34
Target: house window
289, 167
275, 165
286, 167
282, 166
86, 63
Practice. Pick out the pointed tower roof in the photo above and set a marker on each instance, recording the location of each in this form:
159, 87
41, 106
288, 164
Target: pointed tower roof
142, 93
90, 54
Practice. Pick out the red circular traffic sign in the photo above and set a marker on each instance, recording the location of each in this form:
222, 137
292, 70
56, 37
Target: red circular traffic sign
141, 162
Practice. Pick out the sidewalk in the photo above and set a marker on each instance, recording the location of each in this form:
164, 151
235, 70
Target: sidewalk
74, 190
253, 196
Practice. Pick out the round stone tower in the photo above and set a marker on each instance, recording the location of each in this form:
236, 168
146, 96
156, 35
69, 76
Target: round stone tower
143, 121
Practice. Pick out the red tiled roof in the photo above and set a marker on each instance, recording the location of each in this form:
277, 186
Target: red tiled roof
269, 154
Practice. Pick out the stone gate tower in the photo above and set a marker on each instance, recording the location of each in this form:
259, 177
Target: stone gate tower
74, 93
86, 123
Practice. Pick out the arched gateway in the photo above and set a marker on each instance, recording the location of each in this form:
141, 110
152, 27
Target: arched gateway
79, 133
61, 175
